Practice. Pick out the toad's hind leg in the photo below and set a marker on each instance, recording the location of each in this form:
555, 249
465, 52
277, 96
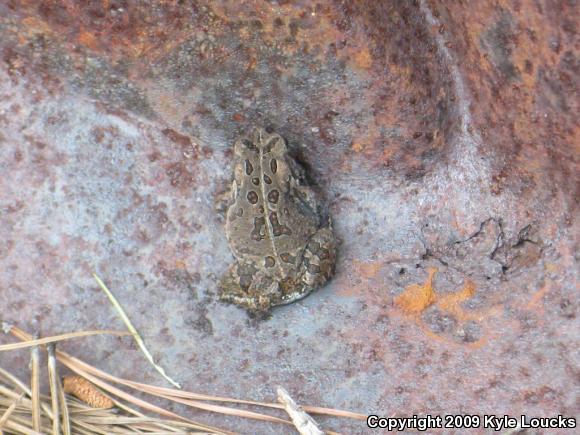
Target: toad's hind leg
256, 292
318, 260
229, 288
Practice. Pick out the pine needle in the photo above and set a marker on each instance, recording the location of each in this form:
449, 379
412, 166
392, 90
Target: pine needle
85, 420
35, 388
53, 383
135, 400
65, 414
10, 410
19, 428
133, 331
12, 379
171, 394
55, 338
87, 370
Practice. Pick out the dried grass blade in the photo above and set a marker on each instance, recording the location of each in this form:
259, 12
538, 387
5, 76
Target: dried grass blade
208, 407
152, 431
10, 410
85, 369
169, 393
119, 420
334, 412
64, 406
53, 383
155, 390
61, 337
133, 331
161, 424
188, 395
228, 411
65, 359
89, 428
9, 394
15, 381
20, 429
166, 392
35, 388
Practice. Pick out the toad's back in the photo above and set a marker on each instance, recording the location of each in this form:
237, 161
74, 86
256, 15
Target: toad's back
269, 221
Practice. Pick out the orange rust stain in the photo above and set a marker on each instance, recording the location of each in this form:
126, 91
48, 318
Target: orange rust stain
537, 297
436, 337
252, 62
88, 39
36, 26
416, 297
452, 302
387, 154
455, 222
369, 270
363, 59
366, 142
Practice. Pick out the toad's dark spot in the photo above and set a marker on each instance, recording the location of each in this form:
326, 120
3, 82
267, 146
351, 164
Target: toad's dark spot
261, 209
273, 166
287, 258
249, 167
258, 231
278, 229
273, 196
267, 179
240, 212
269, 262
324, 254
245, 281
313, 268
274, 219
256, 181
314, 247
252, 197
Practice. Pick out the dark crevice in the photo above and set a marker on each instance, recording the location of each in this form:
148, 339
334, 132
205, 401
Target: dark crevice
501, 247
